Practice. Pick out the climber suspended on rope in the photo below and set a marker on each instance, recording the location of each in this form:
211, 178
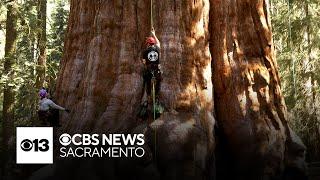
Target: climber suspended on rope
151, 60
47, 109
152, 69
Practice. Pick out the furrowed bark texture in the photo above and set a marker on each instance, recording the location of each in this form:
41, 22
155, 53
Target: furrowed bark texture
101, 78
101, 82
249, 106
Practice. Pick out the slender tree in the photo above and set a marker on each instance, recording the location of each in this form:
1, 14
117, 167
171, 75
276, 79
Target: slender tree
302, 97
310, 86
26, 99
8, 90
42, 41
56, 38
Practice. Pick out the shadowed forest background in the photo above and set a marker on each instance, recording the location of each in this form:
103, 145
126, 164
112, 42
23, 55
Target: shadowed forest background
39, 43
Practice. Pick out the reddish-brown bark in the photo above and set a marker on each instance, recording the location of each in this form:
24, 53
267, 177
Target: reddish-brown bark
249, 106
101, 77
101, 82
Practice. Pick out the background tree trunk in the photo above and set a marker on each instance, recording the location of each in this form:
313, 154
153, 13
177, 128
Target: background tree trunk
249, 106
8, 90
42, 41
310, 87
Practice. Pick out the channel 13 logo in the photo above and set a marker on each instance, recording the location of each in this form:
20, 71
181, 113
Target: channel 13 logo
37, 145
34, 145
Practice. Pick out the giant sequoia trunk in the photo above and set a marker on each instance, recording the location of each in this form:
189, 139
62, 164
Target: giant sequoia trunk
101, 81
249, 106
101, 77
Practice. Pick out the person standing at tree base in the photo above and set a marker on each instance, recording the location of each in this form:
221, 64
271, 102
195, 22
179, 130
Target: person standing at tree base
47, 112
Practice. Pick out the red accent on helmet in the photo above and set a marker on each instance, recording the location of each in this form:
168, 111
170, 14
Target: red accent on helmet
151, 41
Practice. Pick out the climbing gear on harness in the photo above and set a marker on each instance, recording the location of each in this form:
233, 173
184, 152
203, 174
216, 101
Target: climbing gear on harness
157, 109
143, 109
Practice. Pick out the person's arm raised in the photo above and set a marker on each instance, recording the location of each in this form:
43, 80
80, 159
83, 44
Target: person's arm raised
153, 33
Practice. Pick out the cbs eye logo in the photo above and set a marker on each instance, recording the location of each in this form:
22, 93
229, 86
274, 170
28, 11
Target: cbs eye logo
37, 145
65, 139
